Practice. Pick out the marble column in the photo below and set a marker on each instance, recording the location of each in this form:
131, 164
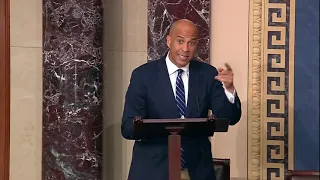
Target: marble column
162, 13
72, 89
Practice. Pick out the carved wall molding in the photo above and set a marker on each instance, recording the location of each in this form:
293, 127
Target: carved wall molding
271, 88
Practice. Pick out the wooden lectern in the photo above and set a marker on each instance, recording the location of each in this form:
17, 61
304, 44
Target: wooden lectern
174, 129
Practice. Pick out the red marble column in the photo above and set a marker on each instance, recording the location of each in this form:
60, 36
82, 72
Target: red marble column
162, 13
72, 89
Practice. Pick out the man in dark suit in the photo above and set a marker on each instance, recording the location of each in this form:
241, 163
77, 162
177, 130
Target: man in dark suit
177, 86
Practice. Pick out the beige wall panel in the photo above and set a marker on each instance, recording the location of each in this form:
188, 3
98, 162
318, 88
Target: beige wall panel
125, 24
229, 44
26, 23
117, 150
26, 114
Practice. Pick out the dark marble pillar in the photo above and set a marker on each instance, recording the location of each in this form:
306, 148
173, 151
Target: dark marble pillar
72, 89
162, 13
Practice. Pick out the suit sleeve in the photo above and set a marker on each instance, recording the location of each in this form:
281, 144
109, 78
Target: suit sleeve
135, 105
221, 106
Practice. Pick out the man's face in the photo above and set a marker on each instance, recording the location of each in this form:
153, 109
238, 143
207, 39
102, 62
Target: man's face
182, 43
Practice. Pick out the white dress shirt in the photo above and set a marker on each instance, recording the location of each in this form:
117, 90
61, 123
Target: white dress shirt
173, 73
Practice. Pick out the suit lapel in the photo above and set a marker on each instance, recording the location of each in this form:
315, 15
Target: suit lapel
166, 88
192, 94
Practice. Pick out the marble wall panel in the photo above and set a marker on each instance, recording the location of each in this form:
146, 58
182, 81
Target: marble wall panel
162, 13
72, 89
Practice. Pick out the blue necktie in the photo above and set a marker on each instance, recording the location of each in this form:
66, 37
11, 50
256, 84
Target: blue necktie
181, 104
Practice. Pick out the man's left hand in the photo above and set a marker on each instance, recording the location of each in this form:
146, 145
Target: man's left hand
226, 77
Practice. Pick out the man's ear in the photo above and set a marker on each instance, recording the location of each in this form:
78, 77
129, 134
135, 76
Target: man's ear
168, 41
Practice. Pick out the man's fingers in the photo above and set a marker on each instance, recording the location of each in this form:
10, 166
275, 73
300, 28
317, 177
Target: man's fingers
225, 73
220, 78
228, 67
220, 70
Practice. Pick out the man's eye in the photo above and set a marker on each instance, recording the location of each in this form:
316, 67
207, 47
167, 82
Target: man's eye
192, 43
180, 41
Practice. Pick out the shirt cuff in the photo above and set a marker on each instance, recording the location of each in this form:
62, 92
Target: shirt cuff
230, 96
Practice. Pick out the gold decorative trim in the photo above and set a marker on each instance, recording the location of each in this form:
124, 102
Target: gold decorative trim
291, 85
254, 89
271, 88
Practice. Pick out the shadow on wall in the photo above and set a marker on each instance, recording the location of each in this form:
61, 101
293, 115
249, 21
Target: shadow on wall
114, 160
112, 152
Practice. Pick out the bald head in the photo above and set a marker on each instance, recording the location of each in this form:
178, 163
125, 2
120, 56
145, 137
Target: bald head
182, 42
183, 24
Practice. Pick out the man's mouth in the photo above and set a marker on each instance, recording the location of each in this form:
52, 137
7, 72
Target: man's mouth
183, 56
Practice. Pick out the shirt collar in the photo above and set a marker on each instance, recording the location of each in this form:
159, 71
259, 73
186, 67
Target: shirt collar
172, 68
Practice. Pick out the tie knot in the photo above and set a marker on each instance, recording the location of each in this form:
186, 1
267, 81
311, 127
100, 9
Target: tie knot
180, 71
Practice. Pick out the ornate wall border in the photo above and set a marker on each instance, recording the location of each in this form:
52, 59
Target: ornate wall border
4, 89
271, 88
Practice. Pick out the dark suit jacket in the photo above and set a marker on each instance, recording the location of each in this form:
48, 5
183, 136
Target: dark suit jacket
150, 95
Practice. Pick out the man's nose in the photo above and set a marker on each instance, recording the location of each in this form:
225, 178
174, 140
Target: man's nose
185, 47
